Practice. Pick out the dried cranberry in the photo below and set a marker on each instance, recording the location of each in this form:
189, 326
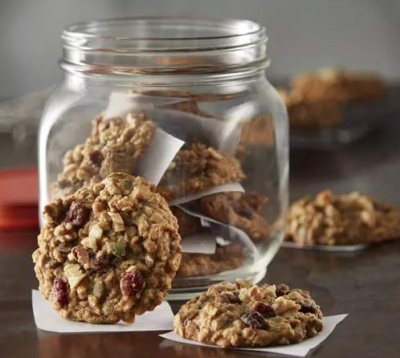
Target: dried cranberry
60, 291
282, 289
242, 210
255, 320
77, 215
132, 283
266, 310
228, 297
307, 309
95, 158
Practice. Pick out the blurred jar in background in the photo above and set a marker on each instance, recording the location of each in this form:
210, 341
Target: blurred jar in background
185, 104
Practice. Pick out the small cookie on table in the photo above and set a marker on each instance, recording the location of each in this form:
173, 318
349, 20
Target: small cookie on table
245, 315
108, 252
344, 219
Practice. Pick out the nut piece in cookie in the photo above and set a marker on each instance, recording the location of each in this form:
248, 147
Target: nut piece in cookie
341, 220
197, 168
339, 85
247, 315
108, 252
241, 210
115, 145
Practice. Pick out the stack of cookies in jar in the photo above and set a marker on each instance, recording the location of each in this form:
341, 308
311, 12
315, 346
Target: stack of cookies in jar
93, 210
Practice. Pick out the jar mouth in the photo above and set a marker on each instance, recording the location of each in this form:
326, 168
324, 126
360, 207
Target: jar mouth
165, 33
163, 45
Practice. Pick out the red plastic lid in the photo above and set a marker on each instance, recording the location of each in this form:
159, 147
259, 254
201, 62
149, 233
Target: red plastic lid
19, 198
19, 217
19, 187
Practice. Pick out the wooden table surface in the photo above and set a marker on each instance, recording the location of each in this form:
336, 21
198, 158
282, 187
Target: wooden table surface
365, 284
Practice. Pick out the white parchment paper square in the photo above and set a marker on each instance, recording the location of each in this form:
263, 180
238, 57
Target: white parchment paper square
47, 319
158, 156
298, 350
223, 188
200, 243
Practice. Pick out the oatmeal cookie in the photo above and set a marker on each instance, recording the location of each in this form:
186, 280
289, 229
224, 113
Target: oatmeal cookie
341, 220
108, 252
246, 315
115, 145
225, 258
304, 113
339, 85
241, 210
188, 224
197, 168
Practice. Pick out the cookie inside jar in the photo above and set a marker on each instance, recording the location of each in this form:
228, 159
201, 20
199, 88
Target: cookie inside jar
210, 173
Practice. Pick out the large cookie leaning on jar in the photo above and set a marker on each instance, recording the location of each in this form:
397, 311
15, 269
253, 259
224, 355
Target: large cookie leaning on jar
108, 252
197, 168
246, 315
115, 145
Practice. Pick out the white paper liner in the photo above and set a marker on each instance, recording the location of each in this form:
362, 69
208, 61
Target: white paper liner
223, 135
48, 319
204, 222
326, 248
201, 243
214, 190
158, 156
234, 234
298, 350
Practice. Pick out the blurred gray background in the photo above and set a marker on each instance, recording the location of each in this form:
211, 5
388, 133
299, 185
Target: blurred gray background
304, 34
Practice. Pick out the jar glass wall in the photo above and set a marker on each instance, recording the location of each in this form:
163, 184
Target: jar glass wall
213, 134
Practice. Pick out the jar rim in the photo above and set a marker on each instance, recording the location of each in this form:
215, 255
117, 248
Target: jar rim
164, 45
166, 33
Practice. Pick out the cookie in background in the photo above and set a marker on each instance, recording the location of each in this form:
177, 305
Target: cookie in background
347, 219
334, 106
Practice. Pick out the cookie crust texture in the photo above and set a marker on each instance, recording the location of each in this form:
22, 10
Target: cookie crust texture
245, 315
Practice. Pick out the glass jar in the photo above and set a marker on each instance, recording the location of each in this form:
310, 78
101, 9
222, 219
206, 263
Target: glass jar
218, 150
